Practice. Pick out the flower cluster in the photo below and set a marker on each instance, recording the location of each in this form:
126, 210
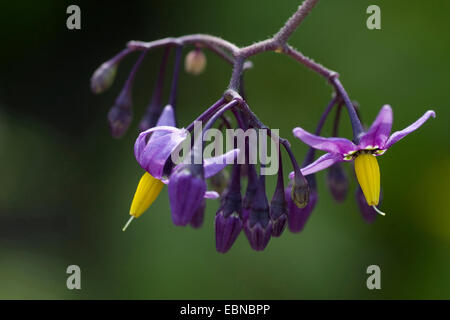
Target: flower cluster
240, 210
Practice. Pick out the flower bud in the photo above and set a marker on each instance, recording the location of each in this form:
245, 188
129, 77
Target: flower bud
278, 211
186, 191
300, 190
227, 230
228, 223
297, 217
103, 77
119, 118
337, 182
195, 62
258, 227
199, 215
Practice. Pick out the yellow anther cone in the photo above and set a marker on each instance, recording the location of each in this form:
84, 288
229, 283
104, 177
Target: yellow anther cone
147, 191
368, 175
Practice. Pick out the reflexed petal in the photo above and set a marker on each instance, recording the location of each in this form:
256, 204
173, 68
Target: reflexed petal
398, 135
332, 145
380, 129
153, 155
142, 139
215, 164
186, 193
321, 163
211, 195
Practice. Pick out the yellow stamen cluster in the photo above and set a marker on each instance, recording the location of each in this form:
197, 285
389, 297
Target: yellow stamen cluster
368, 175
147, 191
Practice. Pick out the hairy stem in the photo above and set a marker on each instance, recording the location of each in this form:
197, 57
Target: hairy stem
237, 56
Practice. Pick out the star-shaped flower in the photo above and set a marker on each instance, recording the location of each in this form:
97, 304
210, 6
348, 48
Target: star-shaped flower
372, 143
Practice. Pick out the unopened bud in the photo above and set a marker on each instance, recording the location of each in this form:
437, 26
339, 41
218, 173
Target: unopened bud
120, 115
278, 211
119, 120
103, 77
195, 62
300, 191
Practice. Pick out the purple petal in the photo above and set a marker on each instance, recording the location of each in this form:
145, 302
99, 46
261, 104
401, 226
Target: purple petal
215, 164
186, 192
142, 140
297, 217
227, 230
211, 195
153, 155
380, 130
332, 145
167, 117
325, 161
397, 136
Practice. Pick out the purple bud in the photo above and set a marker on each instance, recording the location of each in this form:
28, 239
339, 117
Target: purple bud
258, 235
337, 182
187, 188
228, 221
297, 217
120, 115
258, 227
278, 207
199, 215
278, 225
300, 190
367, 212
227, 230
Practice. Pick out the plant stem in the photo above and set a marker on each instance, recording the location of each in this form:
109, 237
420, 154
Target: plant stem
237, 56
294, 21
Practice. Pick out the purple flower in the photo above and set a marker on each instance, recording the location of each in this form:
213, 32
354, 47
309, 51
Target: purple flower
187, 187
372, 143
152, 152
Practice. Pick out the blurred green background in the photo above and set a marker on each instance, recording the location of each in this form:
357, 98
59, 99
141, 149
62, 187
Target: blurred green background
66, 185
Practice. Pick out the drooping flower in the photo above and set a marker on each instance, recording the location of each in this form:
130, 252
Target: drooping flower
372, 143
152, 150
187, 187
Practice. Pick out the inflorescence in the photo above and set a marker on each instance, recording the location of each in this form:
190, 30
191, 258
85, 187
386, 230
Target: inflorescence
249, 210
